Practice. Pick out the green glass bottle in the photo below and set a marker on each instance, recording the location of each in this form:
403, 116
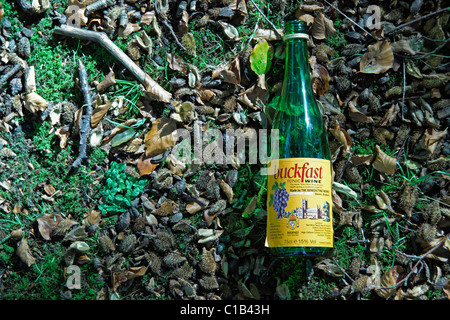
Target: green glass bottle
299, 202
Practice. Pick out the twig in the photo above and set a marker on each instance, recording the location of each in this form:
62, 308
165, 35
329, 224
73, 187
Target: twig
417, 20
151, 86
85, 126
9, 74
168, 26
350, 19
419, 259
265, 18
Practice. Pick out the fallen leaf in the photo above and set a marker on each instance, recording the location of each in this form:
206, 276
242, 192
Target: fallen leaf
357, 115
402, 46
93, 217
124, 33
258, 93
431, 138
309, 19
268, 34
230, 72
361, 159
343, 137
322, 27
320, 79
35, 103
108, 81
230, 31
330, 268
24, 253
194, 206
261, 57
63, 134
342, 188
145, 165
384, 163
176, 166
390, 115
177, 63
1, 11
47, 223
378, 59
161, 136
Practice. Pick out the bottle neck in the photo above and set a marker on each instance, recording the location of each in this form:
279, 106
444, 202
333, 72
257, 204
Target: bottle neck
297, 90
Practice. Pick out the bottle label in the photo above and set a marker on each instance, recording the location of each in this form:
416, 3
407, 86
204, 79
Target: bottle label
299, 204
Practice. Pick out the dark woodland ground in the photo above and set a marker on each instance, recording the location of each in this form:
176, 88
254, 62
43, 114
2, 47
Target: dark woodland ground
129, 219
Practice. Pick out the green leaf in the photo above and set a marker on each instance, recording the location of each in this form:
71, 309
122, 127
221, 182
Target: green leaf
261, 57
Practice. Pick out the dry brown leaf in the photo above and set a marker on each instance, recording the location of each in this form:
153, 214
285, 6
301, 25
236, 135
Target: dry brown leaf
93, 217
361, 159
135, 272
343, 137
35, 103
129, 29
177, 63
384, 163
390, 115
194, 206
378, 59
175, 165
402, 46
257, 93
108, 81
63, 134
431, 138
388, 280
320, 79
268, 34
24, 253
309, 19
161, 136
99, 113
230, 72
226, 189
322, 27
47, 223
147, 18
145, 166
1, 11
357, 115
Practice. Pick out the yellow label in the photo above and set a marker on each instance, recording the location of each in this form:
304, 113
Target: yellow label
299, 203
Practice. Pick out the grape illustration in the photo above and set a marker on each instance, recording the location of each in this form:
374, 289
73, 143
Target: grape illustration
281, 197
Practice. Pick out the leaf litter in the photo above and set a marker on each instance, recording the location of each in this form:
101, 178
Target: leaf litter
209, 64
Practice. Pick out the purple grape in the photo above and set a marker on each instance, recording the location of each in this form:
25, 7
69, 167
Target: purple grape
280, 199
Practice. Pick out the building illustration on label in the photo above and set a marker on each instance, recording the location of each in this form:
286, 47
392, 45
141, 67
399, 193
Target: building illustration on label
279, 201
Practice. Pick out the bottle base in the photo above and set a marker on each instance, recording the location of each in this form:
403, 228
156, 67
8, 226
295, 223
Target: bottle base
298, 251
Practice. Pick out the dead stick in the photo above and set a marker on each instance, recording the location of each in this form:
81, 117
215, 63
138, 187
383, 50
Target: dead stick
85, 126
416, 20
9, 74
270, 22
151, 86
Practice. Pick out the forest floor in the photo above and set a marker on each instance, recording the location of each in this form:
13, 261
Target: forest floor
126, 219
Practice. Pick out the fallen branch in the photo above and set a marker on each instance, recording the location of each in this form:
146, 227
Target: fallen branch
85, 126
268, 21
9, 74
417, 20
151, 86
419, 259
350, 19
